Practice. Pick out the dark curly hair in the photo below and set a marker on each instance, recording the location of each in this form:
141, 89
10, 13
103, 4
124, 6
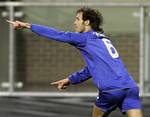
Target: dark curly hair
94, 16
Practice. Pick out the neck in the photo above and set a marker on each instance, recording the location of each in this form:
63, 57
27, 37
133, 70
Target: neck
88, 28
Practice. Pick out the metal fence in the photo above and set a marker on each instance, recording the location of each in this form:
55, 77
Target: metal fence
133, 44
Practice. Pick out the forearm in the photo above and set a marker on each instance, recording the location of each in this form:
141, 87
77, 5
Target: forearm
79, 76
51, 33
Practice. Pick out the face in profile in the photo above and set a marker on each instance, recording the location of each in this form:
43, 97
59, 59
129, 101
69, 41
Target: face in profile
79, 25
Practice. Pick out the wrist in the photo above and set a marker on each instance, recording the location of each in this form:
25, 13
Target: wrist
68, 81
28, 25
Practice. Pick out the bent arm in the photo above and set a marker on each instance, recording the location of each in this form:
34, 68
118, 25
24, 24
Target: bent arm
80, 76
54, 34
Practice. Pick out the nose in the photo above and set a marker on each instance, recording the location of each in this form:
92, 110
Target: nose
75, 22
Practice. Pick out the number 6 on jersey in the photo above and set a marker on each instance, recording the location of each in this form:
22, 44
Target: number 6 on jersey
111, 49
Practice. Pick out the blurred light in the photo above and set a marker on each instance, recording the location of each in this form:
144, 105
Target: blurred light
17, 14
7, 85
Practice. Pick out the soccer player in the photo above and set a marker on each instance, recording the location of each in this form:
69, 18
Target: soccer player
117, 89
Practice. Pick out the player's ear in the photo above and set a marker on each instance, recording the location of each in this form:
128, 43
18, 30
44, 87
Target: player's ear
87, 22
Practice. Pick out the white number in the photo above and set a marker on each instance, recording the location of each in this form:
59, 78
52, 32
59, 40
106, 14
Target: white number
111, 49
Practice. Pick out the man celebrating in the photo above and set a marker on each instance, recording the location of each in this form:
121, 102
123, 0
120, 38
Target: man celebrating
103, 64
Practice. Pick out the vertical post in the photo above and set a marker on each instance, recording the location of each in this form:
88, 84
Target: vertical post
11, 51
141, 54
147, 59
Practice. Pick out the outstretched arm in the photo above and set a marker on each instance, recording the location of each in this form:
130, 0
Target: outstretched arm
74, 38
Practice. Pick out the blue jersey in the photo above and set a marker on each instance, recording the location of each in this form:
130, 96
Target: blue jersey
102, 60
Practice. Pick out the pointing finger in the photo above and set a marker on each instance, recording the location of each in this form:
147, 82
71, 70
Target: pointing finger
55, 83
11, 22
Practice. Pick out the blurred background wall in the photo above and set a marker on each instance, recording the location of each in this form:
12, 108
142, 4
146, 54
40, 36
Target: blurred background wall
39, 61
